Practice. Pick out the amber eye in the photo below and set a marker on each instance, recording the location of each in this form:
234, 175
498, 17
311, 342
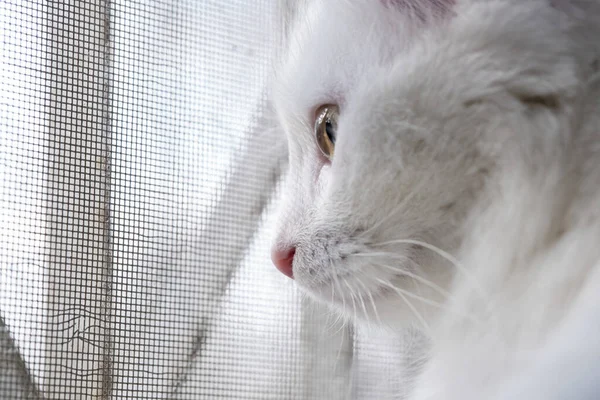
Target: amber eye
326, 129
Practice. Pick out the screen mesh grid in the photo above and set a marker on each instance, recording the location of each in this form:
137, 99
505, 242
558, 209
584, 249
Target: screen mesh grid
139, 174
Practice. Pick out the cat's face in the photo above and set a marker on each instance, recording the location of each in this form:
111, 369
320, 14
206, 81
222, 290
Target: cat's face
411, 155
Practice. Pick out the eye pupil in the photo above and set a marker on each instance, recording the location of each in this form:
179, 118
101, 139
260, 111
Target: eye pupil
330, 131
325, 129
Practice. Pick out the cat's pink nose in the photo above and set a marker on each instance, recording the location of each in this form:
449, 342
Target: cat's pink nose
283, 260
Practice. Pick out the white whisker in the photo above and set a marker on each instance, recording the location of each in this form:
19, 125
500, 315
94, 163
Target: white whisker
418, 315
351, 298
339, 352
341, 291
447, 256
424, 300
406, 273
372, 301
362, 302
343, 324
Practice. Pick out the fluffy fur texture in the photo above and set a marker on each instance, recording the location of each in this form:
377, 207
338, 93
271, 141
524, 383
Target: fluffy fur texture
464, 195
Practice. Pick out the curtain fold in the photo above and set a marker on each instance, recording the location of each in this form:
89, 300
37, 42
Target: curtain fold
78, 271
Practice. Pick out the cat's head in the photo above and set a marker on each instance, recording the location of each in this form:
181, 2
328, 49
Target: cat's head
395, 126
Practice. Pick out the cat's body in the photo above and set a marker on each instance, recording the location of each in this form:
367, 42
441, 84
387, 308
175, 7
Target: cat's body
471, 127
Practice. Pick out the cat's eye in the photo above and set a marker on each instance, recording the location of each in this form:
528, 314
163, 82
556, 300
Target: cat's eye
326, 129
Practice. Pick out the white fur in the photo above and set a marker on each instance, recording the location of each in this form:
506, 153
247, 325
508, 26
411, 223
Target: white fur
477, 132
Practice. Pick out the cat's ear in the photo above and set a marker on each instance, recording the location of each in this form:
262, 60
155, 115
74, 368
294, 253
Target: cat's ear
419, 4
421, 8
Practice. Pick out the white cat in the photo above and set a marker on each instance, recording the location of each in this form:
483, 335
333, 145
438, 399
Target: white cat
445, 173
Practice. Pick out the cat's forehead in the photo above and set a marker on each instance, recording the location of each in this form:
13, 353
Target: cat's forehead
330, 51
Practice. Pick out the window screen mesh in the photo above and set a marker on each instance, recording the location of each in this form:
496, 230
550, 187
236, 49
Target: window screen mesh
138, 177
